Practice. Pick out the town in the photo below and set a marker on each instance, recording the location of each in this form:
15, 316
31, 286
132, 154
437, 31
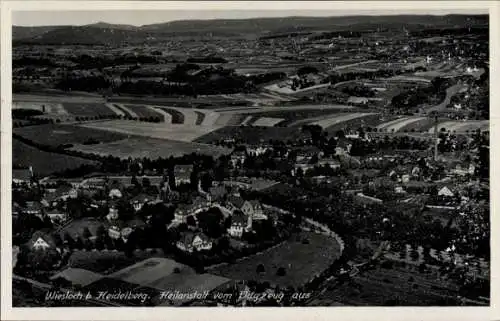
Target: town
329, 165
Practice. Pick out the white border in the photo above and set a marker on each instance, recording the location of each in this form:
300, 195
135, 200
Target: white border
324, 313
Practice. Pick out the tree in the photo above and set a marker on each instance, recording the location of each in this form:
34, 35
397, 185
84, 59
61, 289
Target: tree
281, 271
211, 222
86, 233
191, 221
260, 268
146, 183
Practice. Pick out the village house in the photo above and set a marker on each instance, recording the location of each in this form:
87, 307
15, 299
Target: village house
114, 232
93, 183
238, 157
257, 150
113, 213
56, 216
138, 201
343, 147
115, 193
217, 193
41, 240
445, 192
34, 208
22, 176
365, 199
181, 213
240, 222
191, 242
182, 174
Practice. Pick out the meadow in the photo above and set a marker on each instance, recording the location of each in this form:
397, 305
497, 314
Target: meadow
300, 260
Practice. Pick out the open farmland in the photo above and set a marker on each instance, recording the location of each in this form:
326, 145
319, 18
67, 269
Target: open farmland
252, 135
462, 126
402, 123
267, 121
150, 270
50, 108
139, 147
60, 134
43, 163
88, 109
75, 228
144, 111
178, 132
177, 117
301, 261
338, 119
390, 287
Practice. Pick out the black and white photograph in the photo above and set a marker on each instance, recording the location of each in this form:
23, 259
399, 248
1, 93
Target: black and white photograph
249, 158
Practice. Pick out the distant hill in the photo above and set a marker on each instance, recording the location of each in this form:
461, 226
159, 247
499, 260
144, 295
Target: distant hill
104, 33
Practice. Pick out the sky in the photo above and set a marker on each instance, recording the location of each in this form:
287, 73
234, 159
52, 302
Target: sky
138, 18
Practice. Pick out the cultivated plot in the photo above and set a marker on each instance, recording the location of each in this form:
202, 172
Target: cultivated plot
60, 134
300, 261
88, 109
43, 163
330, 121
462, 126
50, 108
140, 147
178, 132
267, 121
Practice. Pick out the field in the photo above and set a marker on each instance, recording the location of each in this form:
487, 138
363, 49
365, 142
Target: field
75, 228
390, 287
50, 108
301, 261
267, 121
139, 147
353, 124
462, 126
177, 116
405, 123
252, 135
88, 109
154, 130
337, 119
59, 134
167, 275
150, 270
43, 163
144, 111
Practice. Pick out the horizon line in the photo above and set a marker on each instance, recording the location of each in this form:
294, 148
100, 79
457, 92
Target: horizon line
249, 18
